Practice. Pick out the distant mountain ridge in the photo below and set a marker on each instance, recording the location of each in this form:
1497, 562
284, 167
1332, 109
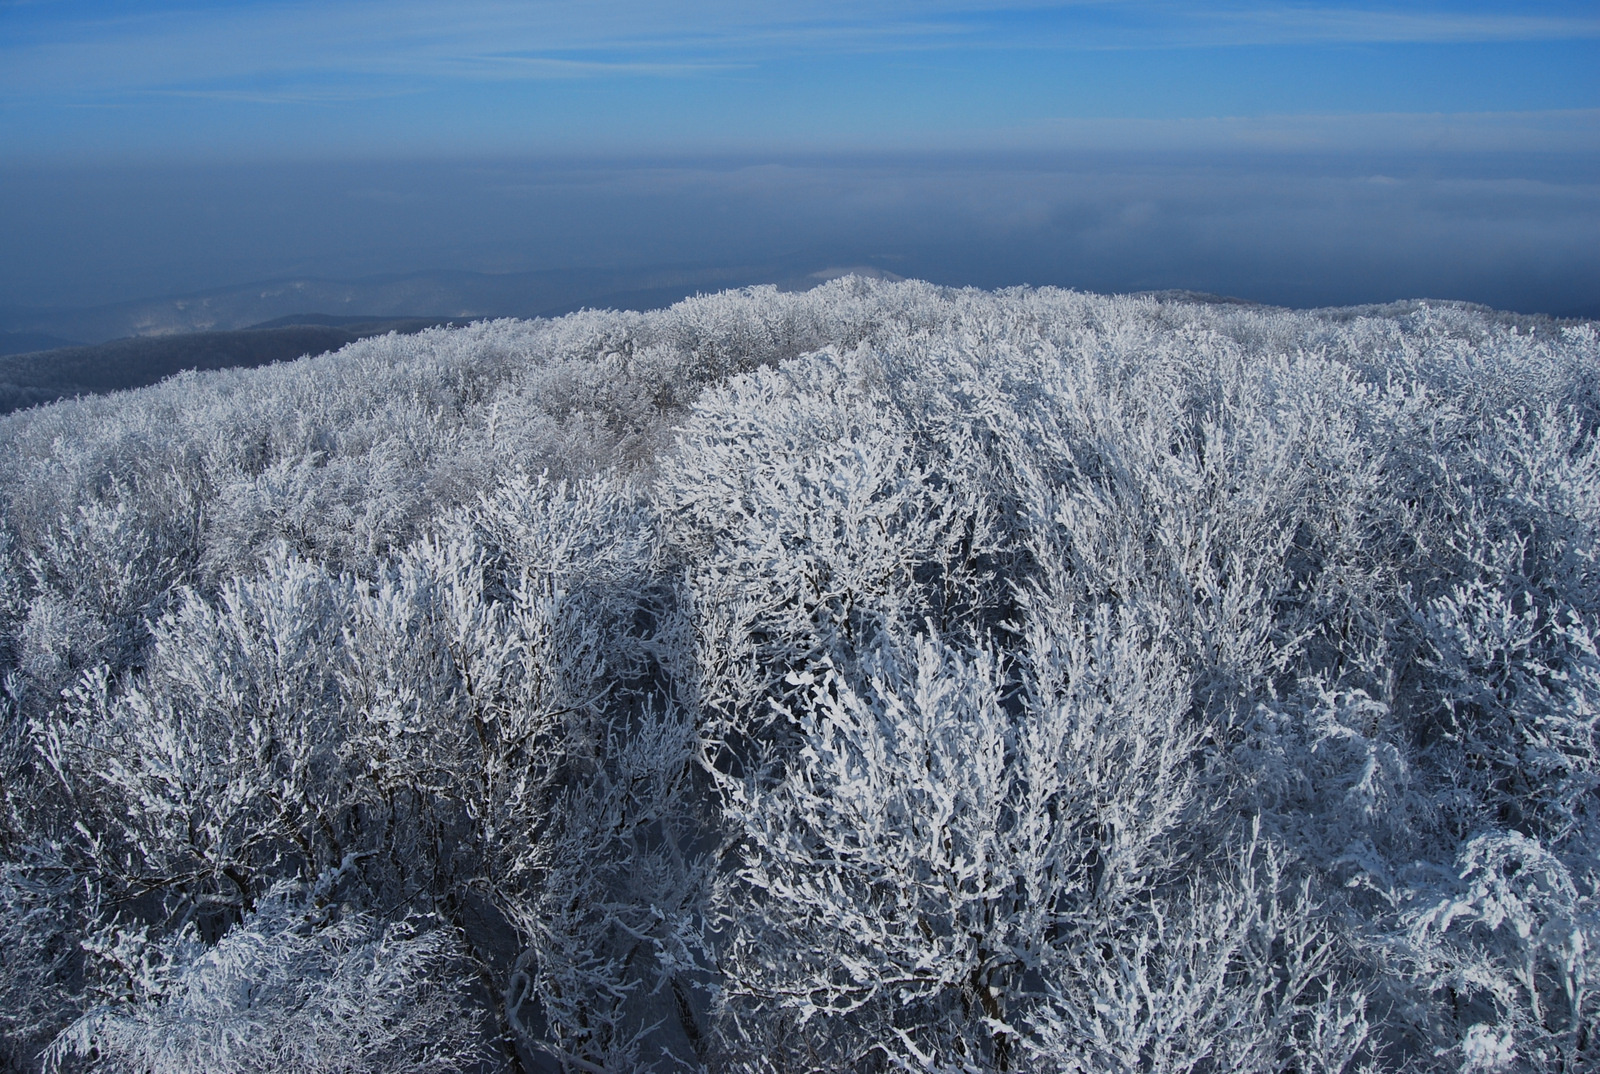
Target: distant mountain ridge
45, 376
25, 342
461, 296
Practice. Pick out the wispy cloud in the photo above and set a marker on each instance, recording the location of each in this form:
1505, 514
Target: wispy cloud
48, 50
253, 76
289, 95
532, 65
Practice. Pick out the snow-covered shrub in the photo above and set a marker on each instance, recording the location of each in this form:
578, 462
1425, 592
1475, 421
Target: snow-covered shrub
881, 676
1288, 522
1509, 634
831, 508
95, 574
298, 984
908, 890
225, 755
1240, 973
1513, 939
508, 704
814, 522
42, 917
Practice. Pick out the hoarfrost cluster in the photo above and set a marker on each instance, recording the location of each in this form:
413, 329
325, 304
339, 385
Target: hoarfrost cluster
882, 677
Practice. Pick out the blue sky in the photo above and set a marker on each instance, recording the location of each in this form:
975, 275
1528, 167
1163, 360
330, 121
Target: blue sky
1304, 153
101, 79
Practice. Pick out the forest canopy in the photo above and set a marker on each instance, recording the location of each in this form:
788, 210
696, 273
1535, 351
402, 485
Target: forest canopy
880, 677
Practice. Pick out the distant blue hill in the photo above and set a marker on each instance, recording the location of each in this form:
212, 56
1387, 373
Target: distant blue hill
23, 342
43, 376
461, 296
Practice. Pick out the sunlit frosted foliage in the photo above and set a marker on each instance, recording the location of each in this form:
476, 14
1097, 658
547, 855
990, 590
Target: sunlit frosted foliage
878, 678
296, 985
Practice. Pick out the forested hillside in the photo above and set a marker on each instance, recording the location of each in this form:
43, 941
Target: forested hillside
880, 677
